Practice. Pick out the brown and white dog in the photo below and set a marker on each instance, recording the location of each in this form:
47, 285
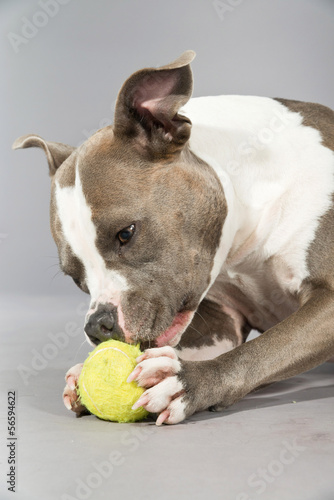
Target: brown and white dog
192, 221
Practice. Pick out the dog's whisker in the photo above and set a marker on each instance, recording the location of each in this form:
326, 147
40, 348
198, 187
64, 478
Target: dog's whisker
52, 265
57, 274
76, 354
195, 329
207, 324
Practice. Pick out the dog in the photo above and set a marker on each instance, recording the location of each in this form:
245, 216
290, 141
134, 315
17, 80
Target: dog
191, 221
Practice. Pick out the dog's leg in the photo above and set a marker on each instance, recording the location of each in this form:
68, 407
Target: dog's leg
178, 388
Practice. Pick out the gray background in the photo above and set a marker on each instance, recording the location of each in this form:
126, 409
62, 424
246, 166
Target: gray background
62, 85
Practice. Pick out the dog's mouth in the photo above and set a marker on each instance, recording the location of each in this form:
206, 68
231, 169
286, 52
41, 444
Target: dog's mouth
169, 337
172, 335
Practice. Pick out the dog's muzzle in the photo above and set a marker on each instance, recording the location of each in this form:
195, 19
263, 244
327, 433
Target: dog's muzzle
102, 325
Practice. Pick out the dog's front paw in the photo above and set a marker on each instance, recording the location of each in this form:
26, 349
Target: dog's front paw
159, 370
70, 396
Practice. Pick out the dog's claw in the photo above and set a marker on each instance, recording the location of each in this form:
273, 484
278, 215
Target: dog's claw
142, 401
67, 402
133, 375
162, 417
157, 372
70, 395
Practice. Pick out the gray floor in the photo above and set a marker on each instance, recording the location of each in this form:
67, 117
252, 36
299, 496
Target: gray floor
275, 444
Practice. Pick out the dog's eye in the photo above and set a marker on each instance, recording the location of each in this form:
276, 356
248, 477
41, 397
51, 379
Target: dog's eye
126, 234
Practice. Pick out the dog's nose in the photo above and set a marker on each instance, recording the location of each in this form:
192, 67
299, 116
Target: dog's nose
102, 325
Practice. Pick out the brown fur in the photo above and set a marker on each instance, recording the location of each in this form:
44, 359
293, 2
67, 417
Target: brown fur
55, 152
210, 324
173, 254
141, 171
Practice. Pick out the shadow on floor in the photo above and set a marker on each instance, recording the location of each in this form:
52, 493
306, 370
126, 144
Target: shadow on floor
313, 385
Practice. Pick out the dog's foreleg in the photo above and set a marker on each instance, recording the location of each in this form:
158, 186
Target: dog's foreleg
300, 342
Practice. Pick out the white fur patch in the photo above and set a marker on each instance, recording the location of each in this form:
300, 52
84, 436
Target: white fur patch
276, 174
160, 395
104, 285
206, 352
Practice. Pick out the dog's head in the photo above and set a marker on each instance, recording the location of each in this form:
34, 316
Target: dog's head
135, 215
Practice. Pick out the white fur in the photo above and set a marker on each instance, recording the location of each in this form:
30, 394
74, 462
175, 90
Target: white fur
206, 352
160, 395
177, 410
155, 365
276, 174
158, 362
104, 285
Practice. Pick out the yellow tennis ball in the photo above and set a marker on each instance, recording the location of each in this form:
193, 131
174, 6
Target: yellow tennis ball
102, 385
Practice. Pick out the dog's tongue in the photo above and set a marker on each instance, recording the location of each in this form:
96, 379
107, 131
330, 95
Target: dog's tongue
180, 321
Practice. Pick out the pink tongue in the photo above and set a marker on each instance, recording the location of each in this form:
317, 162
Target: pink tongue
179, 323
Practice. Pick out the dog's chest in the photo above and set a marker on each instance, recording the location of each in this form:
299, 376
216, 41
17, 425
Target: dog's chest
258, 291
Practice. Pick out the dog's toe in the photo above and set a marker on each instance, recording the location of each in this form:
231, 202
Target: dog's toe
158, 397
157, 371
70, 396
153, 370
166, 399
175, 413
158, 352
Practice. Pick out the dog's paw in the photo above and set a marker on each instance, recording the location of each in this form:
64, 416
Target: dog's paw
70, 396
159, 371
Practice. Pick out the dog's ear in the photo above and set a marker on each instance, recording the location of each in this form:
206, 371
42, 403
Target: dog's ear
56, 152
148, 104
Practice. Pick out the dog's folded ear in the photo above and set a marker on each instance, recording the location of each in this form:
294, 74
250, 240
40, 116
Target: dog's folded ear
147, 108
56, 152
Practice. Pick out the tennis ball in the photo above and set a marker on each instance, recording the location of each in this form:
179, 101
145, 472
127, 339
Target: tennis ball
102, 385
